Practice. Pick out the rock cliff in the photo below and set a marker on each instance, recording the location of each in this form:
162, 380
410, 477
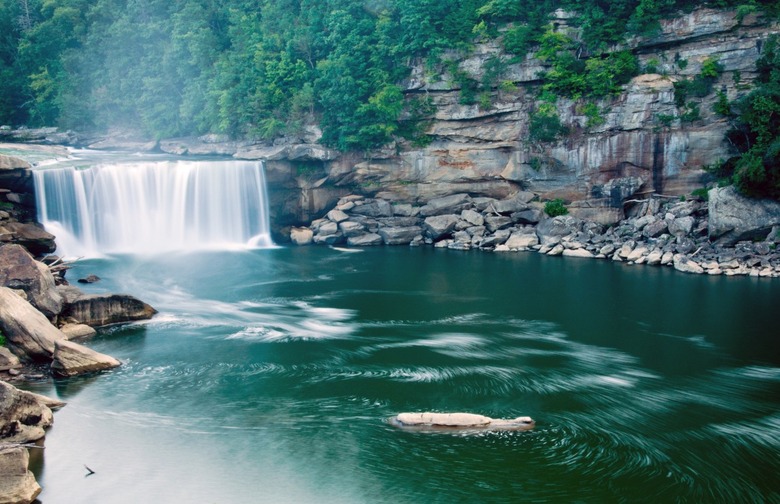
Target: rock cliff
642, 143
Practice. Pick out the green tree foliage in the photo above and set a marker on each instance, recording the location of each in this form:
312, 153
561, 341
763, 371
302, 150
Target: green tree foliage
756, 135
263, 68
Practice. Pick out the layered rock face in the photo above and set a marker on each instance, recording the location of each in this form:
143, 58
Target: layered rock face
641, 145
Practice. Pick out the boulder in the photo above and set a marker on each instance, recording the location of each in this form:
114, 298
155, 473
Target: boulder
580, 252
473, 217
375, 208
446, 205
556, 227
495, 222
77, 331
30, 236
522, 241
21, 272
733, 217
681, 226
8, 360
686, 265
351, 228
17, 484
28, 333
301, 236
364, 240
13, 163
399, 235
104, 309
514, 203
439, 226
23, 416
655, 229
337, 215
71, 359
89, 279
528, 216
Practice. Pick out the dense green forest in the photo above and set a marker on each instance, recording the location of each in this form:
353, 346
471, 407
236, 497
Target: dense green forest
263, 68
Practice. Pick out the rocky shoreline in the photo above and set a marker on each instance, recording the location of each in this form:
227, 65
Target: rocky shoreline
692, 236
41, 316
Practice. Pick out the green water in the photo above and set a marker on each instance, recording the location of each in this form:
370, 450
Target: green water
268, 377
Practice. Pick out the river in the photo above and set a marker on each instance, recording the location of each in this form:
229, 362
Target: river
269, 374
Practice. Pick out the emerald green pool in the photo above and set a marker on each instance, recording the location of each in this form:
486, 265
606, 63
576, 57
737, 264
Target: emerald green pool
268, 377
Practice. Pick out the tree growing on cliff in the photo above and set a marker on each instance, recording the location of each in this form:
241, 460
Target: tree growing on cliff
756, 135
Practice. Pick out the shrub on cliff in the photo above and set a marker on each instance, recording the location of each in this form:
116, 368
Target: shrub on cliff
555, 207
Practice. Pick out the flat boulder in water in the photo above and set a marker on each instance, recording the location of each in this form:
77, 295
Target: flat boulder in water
71, 359
105, 309
459, 421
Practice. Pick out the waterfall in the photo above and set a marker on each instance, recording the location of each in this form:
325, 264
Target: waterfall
154, 206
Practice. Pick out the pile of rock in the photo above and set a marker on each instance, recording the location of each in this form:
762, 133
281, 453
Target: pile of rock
38, 317
659, 231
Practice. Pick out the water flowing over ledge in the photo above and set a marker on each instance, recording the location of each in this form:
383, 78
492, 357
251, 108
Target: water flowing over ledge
149, 207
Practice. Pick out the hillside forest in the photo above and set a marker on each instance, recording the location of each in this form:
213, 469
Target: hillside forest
263, 69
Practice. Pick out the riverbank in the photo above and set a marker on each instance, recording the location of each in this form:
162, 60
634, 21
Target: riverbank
692, 236
40, 317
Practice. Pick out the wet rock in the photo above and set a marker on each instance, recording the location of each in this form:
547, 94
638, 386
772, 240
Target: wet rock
23, 416
89, 279
28, 333
72, 359
21, 272
17, 484
104, 309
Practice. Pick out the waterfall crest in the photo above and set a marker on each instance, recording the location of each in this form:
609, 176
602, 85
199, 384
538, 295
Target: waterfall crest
154, 206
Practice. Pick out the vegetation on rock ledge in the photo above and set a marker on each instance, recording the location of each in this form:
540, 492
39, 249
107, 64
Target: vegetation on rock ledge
267, 68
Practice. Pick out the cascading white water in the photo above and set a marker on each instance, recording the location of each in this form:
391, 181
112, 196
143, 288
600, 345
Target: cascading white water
154, 206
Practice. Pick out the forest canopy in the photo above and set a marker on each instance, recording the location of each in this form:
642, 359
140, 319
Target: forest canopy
264, 68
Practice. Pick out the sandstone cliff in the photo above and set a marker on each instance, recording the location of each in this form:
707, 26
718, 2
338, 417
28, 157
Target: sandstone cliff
643, 144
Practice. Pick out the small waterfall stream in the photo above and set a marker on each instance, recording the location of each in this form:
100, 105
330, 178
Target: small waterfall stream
149, 207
